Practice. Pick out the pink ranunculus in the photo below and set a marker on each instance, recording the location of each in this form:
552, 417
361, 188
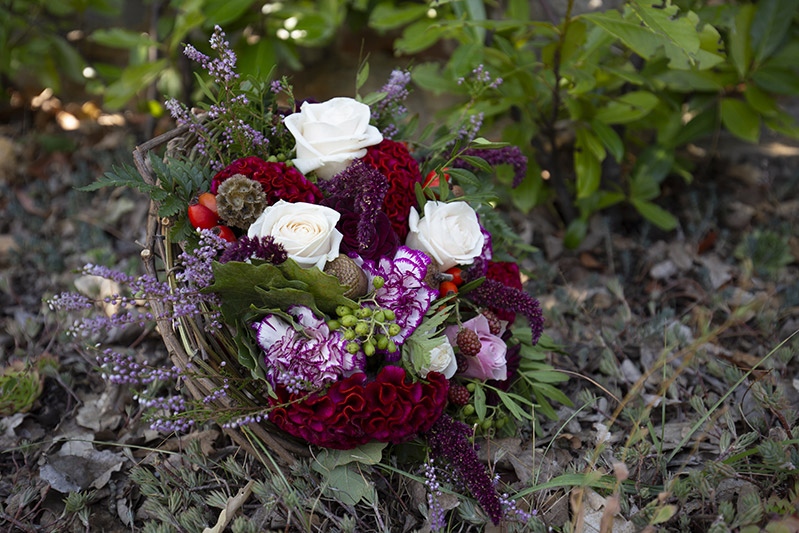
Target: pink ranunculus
490, 362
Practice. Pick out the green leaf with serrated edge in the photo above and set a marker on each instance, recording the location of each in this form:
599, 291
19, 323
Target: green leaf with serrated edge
655, 214
325, 289
171, 206
236, 284
609, 138
479, 402
740, 119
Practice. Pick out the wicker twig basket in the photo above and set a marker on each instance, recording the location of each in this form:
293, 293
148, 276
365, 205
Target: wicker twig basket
188, 344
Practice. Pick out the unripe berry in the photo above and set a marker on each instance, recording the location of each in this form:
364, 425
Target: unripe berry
468, 409
379, 316
353, 347
343, 310
334, 325
378, 282
392, 348
349, 334
389, 314
470, 387
349, 320
361, 329
368, 349
382, 342
394, 329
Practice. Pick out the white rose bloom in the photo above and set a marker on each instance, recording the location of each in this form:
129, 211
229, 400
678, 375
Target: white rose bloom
442, 359
449, 233
330, 135
307, 231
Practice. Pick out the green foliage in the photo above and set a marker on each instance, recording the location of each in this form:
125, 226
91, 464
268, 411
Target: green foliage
620, 91
20, 386
765, 252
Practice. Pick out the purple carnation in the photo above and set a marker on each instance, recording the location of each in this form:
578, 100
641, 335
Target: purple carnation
404, 291
304, 360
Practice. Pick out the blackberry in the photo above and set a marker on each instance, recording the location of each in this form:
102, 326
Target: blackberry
463, 363
458, 395
468, 342
493, 321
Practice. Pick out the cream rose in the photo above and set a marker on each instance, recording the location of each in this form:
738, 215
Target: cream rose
330, 135
307, 231
442, 359
449, 233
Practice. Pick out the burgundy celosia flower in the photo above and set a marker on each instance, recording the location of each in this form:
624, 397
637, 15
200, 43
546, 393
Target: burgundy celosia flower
279, 181
354, 411
449, 443
378, 239
506, 273
395, 162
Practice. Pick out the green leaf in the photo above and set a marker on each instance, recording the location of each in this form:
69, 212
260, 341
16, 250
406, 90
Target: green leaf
588, 169
479, 402
770, 25
740, 119
222, 12
133, 79
586, 139
428, 76
481, 142
363, 75
387, 15
171, 206
655, 214
348, 485
627, 108
325, 289
575, 233
664, 21
517, 412
740, 40
610, 139
477, 162
529, 193
419, 36
664, 514
121, 38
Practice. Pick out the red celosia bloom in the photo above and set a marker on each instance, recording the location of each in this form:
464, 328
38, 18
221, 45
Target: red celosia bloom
506, 273
395, 162
279, 181
353, 411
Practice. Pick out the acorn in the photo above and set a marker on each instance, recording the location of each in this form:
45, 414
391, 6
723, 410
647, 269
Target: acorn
433, 277
348, 273
240, 201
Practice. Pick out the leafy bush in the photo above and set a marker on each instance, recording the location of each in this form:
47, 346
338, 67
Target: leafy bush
604, 101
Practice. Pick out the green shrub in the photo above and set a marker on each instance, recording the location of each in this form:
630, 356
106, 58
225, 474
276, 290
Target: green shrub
604, 101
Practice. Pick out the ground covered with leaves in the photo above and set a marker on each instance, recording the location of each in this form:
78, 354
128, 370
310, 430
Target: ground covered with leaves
678, 347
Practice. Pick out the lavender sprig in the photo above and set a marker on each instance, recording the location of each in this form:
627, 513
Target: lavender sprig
510, 155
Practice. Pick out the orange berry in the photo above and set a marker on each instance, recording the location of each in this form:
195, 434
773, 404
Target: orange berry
447, 287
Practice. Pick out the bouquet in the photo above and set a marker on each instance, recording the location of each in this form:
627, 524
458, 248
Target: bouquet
318, 270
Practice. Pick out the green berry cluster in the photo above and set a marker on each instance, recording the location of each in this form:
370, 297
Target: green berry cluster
494, 421
366, 328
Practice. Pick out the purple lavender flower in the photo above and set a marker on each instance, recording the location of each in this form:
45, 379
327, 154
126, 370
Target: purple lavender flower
449, 443
510, 155
495, 294
393, 104
404, 291
304, 360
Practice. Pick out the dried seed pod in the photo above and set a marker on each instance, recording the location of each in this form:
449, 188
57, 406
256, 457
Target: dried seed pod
240, 201
348, 273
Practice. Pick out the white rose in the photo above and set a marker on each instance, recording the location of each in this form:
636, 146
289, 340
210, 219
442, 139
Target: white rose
330, 135
449, 233
442, 359
307, 231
